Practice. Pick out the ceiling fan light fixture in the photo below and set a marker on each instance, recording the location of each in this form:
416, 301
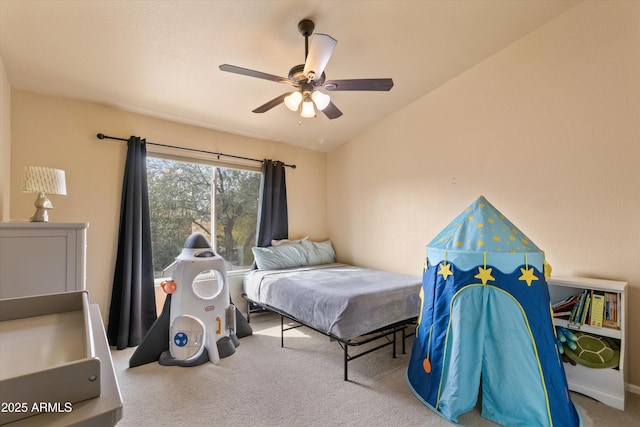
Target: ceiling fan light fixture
307, 109
293, 100
322, 100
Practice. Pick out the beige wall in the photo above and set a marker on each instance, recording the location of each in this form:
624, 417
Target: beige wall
61, 133
548, 130
5, 142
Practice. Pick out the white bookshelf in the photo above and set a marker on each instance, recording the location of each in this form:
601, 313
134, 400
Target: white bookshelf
605, 385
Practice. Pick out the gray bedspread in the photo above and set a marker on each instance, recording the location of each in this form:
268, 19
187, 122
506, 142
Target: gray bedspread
338, 299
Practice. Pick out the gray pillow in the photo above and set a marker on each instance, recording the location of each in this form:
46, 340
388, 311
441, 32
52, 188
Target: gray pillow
279, 257
319, 252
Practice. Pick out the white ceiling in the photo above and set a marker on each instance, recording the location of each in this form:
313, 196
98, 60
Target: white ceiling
161, 58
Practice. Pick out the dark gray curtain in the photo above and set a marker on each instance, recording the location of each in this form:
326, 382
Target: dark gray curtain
133, 302
273, 221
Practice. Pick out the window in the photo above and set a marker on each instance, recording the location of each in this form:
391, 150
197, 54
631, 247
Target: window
187, 197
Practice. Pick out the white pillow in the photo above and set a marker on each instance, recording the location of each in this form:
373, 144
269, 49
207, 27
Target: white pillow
287, 241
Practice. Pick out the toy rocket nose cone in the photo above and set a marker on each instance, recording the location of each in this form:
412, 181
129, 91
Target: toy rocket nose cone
197, 241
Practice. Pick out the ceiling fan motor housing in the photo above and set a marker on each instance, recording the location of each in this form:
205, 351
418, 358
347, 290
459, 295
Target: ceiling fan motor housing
297, 75
305, 27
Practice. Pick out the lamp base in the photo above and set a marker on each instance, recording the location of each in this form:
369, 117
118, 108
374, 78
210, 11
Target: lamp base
43, 205
41, 215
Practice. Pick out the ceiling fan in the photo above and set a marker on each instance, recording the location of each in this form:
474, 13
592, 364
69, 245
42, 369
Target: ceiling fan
307, 78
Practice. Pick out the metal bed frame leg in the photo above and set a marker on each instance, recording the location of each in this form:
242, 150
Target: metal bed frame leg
395, 333
403, 342
281, 331
346, 362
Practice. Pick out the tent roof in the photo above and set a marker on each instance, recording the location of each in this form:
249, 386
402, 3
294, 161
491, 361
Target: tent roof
482, 229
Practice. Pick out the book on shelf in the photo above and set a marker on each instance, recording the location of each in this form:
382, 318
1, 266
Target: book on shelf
610, 319
597, 309
585, 310
578, 308
594, 308
562, 314
565, 304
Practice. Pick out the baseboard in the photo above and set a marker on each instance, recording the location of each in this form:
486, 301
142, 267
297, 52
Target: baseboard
633, 388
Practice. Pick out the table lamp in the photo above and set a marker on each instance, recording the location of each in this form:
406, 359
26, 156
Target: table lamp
41, 180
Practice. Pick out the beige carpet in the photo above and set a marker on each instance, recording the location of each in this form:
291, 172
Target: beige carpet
299, 385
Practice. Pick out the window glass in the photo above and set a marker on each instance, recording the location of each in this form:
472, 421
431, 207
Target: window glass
219, 202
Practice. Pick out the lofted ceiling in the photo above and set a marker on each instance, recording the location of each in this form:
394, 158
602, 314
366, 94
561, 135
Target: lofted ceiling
161, 58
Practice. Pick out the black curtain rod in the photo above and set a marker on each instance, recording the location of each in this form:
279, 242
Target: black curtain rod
103, 136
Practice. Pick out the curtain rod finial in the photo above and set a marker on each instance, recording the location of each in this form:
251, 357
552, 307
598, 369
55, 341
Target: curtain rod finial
100, 136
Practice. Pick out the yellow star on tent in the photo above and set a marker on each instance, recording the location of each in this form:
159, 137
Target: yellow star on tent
527, 275
445, 270
484, 275
547, 269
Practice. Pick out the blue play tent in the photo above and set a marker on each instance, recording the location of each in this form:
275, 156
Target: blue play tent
485, 324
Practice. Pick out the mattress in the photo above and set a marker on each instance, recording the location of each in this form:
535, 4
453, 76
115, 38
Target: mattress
337, 299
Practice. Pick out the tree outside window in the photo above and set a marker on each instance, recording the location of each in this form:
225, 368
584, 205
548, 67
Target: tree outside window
182, 198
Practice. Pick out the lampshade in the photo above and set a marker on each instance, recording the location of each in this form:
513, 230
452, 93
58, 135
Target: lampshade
43, 181
38, 179
293, 100
307, 108
321, 99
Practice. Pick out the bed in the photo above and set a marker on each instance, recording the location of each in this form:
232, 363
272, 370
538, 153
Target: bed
352, 305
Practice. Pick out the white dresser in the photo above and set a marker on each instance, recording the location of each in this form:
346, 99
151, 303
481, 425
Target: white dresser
42, 258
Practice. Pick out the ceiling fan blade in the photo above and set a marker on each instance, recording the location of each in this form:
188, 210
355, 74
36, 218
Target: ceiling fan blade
320, 51
269, 105
359, 84
253, 73
331, 111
